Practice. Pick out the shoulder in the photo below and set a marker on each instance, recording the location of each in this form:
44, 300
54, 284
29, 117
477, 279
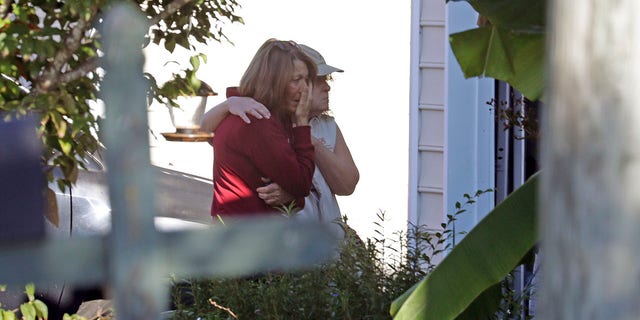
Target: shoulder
324, 118
323, 123
256, 124
264, 123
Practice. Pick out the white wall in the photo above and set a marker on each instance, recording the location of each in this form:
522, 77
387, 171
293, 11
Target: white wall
470, 129
370, 100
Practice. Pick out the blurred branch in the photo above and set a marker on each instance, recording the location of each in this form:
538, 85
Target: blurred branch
80, 71
71, 44
170, 9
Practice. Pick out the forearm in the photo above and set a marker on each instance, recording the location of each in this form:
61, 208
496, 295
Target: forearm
214, 117
337, 167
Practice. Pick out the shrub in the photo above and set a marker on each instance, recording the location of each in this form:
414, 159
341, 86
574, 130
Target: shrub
30, 310
359, 284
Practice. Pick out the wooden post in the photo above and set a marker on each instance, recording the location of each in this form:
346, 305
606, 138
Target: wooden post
590, 213
135, 269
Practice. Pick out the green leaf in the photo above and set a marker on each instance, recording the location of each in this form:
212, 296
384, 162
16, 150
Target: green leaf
41, 309
28, 311
51, 206
514, 57
65, 146
30, 290
8, 315
183, 42
170, 43
195, 62
486, 305
513, 14
483, 258
60, 124
510, 48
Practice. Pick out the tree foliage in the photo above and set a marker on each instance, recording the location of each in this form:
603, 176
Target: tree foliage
50, 64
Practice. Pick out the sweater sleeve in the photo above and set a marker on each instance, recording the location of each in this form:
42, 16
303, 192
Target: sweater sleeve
290, 165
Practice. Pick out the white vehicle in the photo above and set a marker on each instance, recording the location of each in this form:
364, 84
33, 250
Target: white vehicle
183, 201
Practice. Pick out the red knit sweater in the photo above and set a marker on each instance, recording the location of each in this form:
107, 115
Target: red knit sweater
243, 153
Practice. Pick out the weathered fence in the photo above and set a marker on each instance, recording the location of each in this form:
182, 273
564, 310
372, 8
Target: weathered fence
135, 260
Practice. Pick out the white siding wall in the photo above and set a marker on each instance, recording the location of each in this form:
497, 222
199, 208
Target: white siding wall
470, 133
451, 151
427, 160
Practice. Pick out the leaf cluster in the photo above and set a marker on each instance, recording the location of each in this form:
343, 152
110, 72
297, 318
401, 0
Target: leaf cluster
43, 50
33, 309
522, 115
50, 57
508, 45
185, 83
185, 23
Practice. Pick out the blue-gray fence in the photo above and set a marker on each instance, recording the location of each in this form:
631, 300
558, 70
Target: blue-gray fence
135, 260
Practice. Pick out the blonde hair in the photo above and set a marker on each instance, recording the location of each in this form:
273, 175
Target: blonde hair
270, 71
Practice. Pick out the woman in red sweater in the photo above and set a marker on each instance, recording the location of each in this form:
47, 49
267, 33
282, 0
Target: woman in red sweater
277, 149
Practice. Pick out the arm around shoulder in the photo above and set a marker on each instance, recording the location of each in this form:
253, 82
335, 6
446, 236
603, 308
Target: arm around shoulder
214, 117
239, 106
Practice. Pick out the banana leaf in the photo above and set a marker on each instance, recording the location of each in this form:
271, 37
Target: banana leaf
510, 47
485, 305
519, 15
482, 259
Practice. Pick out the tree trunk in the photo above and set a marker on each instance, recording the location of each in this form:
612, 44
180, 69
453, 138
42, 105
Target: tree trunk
590, 208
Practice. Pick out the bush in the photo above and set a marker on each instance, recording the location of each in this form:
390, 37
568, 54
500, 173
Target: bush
29, 310
360, 284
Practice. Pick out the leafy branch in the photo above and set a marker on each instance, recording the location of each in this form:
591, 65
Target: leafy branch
50, 53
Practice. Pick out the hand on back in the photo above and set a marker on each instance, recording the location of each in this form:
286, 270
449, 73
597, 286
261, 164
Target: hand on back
273, 194
245, 106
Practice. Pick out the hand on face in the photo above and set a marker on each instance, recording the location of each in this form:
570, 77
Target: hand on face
304, 106
299, 92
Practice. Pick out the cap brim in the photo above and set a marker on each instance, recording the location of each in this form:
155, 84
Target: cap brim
325, 69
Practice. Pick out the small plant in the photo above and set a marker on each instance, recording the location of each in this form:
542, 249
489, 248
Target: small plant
31, 310
290, 210
516, 302
35, 309
521, 114
185, 83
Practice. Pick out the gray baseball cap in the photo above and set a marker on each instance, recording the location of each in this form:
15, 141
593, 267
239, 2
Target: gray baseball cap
323, 68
